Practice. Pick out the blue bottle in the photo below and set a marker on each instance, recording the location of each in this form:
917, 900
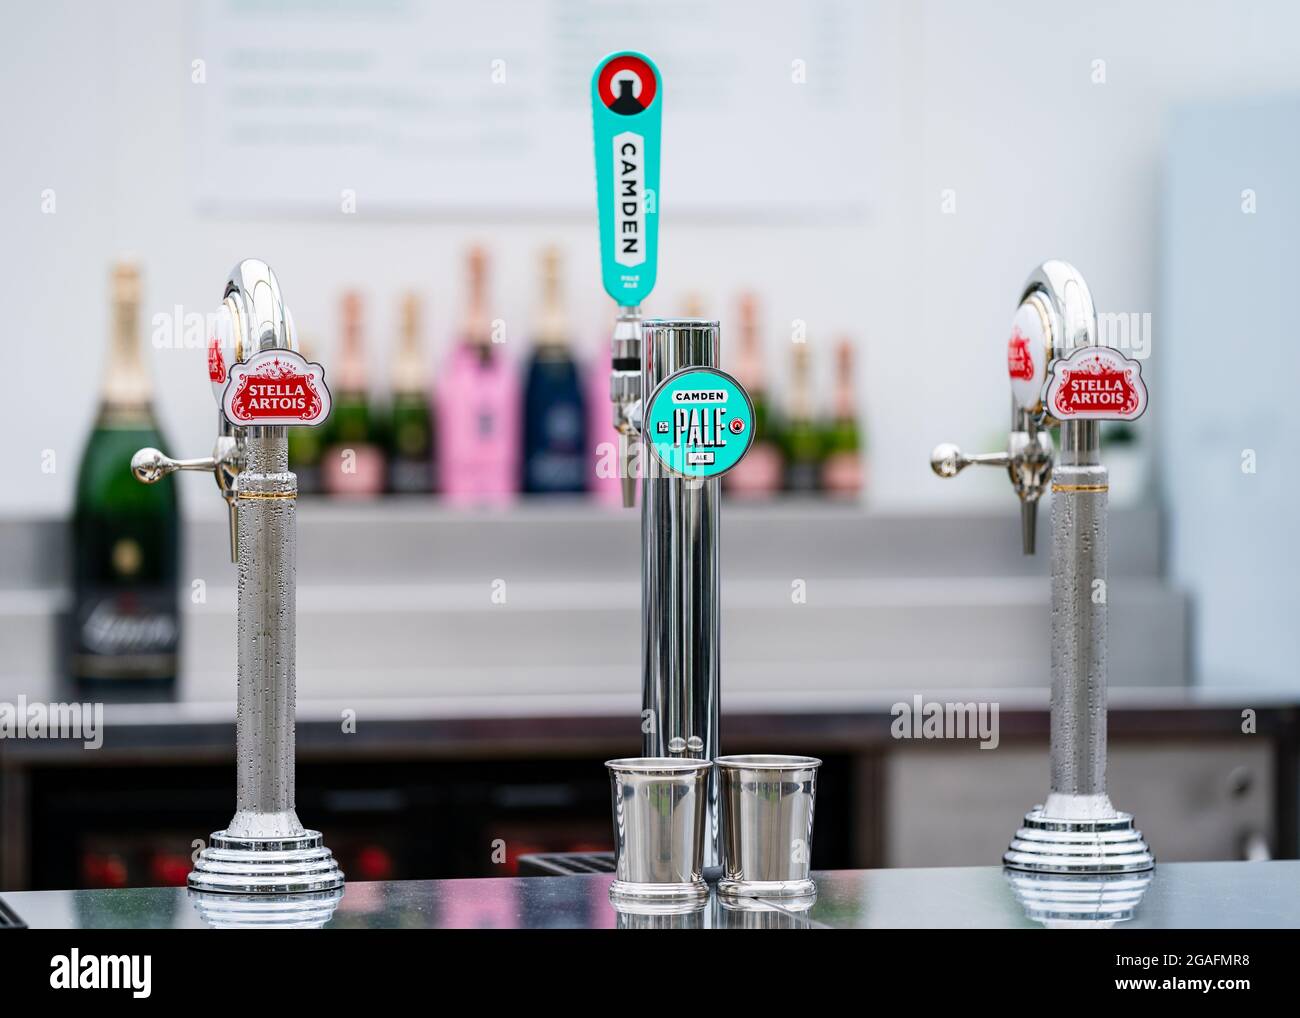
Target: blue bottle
555, 416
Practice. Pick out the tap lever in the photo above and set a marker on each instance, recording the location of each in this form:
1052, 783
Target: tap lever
150, 465
1027, 461
948, 461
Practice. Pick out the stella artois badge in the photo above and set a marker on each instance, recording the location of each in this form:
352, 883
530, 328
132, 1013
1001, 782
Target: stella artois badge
276, 387
221, 351
1027, 355
1096, 383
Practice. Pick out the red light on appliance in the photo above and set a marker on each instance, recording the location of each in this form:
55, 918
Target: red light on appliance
374, 863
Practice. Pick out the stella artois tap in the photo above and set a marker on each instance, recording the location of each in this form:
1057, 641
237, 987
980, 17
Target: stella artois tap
1061, 376
262, 386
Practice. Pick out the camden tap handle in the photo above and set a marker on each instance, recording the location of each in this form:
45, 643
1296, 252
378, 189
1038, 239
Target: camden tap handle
626, 108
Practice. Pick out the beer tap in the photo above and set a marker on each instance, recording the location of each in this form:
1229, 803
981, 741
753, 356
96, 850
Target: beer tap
691, 421
1061, 376
263, 386
626, 105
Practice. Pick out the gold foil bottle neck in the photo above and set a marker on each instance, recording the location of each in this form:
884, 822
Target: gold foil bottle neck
478, 325
351, 368
552, 328
750, 370
800, 384
409, 374
126, 383
845, 404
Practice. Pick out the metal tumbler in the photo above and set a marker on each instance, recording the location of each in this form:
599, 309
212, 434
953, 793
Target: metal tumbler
767, 825
659, 828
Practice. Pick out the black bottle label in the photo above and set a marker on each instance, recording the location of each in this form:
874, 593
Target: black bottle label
410, 476
125, 634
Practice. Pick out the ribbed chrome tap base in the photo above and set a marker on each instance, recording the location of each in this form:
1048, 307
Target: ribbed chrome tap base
299, 865
1049, 845
1099, 899
267, 911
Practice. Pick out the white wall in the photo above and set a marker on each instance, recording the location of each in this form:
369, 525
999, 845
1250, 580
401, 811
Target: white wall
995, 101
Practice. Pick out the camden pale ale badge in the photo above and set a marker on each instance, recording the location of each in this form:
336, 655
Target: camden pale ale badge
1096, 383
276, 387
699, 423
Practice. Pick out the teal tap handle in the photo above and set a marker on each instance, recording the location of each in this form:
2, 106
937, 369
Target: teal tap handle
626, 107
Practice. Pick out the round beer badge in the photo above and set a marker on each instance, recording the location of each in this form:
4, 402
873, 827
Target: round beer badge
626, 84
699, 423
1028, 352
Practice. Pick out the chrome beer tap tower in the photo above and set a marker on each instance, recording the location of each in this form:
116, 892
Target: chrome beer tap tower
658, 365
1060, 375
680, 589
262, 387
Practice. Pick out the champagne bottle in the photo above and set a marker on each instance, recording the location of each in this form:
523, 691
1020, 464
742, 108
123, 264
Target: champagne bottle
307, 446
555, 441
125, 616
353, 465
802, 441
478, 407
410, 426
842, 471
759, 474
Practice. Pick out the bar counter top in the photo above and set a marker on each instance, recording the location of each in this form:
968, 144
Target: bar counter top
1224, 895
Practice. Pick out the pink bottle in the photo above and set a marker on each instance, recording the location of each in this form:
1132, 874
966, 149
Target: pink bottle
759, 474
477, 396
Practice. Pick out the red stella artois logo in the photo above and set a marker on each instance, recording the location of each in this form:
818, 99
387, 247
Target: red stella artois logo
216, 363
1096, 383
276, 387
1020, 361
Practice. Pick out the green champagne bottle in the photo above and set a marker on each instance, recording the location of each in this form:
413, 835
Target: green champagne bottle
844, 468
802, 439
410, 424
307, 445
353, 463
125, 617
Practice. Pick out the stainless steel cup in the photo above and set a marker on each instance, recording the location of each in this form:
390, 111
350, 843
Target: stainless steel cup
659, 828
767, 825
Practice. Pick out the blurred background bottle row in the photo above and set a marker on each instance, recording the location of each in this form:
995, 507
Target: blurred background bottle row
480, 427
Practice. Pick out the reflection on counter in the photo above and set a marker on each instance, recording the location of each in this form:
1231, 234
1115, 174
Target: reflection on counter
1180, 895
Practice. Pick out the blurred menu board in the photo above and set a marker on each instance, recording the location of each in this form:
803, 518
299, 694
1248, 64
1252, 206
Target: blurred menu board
404, 105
